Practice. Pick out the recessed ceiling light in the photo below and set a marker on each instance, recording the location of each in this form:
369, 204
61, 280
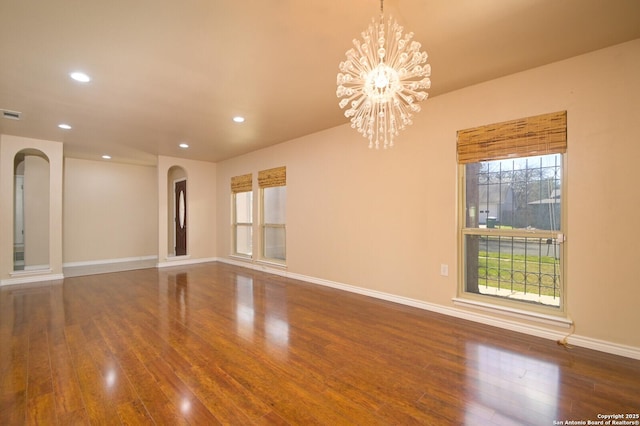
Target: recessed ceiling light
80, 76
238, 119
184, 145
64, 126
106, 157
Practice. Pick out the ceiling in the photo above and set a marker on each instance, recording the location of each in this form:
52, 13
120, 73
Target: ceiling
165, 71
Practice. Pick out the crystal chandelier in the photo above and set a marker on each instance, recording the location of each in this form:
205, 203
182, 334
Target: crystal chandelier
383, 78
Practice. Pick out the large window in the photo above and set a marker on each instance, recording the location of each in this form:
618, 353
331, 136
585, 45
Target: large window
511, 226
273, 214
242, 215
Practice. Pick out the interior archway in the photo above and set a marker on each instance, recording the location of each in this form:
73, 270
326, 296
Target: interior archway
177, 211
31, 215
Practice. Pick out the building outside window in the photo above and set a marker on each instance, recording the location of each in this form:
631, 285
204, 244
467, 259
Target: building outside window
512, 231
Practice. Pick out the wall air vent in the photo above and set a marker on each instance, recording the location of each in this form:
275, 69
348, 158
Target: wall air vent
11, 115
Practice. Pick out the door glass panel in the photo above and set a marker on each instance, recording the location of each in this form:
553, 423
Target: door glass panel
181, 209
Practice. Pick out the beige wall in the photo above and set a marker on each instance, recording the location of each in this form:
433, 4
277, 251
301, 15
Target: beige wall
110, 211
386, 220
36, 212
201, 211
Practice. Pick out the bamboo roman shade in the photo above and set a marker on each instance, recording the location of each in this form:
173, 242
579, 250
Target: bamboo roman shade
242, 183
538, 135
272, 177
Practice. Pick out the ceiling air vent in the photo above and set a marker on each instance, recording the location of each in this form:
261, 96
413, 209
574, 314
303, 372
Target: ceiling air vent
11, 115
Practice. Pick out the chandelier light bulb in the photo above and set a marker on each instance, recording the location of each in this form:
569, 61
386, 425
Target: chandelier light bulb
381, 82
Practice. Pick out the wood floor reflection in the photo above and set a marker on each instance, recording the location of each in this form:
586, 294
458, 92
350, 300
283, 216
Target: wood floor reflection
217, 344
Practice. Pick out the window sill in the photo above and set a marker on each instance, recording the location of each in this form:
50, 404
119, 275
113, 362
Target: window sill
241, 257
263, 262
272, 263
29, 272
514, 312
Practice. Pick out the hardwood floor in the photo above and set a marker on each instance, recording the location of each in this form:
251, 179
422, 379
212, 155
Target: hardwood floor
217, 344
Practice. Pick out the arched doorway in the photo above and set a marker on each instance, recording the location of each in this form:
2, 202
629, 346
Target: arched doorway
31, 211
177, 211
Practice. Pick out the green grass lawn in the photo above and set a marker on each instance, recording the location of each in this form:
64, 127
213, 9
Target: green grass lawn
520, 273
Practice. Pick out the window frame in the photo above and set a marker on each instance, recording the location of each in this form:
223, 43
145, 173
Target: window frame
512, 140
235, 224
559, 234
270, 178
264, 226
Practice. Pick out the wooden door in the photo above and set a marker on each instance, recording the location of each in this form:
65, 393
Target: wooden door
181, 217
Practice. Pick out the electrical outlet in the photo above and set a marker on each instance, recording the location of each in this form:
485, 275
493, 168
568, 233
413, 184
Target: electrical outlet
444, 270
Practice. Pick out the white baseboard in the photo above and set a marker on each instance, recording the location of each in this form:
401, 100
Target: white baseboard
183, 260
92, 267
538, 331
31, 278
108, 261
